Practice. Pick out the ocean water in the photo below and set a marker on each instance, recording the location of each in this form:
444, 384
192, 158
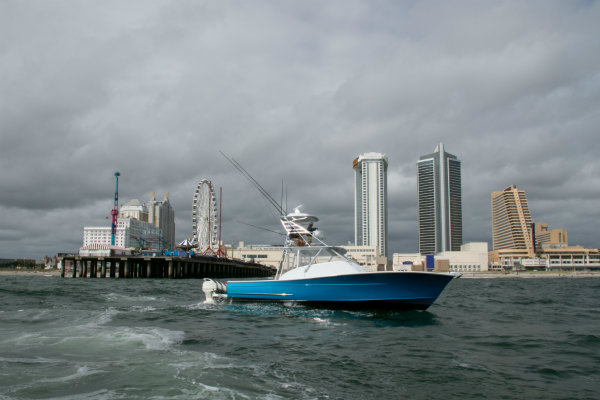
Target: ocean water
155, 339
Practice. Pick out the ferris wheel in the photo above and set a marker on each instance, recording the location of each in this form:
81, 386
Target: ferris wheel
204, 217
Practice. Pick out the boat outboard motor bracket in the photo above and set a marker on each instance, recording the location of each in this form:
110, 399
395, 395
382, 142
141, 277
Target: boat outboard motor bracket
210, 287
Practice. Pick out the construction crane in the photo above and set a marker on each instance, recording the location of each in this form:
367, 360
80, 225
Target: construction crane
115, 211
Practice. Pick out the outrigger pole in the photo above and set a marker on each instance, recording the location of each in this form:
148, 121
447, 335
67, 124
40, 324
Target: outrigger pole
257, 185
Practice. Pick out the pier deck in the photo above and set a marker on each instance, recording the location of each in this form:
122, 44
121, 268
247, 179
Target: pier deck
161, 267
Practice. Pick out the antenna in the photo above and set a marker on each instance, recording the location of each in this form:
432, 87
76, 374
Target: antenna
115, 211
257, 185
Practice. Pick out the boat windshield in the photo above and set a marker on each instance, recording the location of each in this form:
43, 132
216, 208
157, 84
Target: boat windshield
295, 257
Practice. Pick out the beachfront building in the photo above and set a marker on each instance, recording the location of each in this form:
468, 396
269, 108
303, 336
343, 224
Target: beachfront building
549, 258
370, 201
148, 226
511, 220
131, 233
439, 191
549, 238
519, 244
571, 257
263, 254
472, 257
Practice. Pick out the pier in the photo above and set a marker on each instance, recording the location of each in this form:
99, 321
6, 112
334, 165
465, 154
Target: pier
162, 267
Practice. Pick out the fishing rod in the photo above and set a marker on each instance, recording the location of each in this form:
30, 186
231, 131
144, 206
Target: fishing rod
256, 185
260, 227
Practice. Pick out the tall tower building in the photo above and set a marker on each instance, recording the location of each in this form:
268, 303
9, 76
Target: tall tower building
162, 215
440, 202
370, 201
511, 220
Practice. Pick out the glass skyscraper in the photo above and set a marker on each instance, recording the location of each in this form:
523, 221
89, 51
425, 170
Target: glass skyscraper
440, 202
370, 201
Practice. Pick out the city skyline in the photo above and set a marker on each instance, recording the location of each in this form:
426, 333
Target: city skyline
154, 90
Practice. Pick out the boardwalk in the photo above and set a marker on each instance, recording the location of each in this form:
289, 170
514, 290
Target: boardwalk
161, 267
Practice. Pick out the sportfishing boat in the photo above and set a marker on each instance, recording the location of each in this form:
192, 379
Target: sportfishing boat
313, 273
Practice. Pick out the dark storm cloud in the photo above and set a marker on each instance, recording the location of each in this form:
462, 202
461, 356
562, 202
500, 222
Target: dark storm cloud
294, 91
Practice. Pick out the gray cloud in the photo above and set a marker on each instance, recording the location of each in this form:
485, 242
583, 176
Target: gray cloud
294, 91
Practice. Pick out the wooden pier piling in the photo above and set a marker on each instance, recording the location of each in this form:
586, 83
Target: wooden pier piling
163, 267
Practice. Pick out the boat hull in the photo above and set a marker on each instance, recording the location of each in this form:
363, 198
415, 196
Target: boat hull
376, 290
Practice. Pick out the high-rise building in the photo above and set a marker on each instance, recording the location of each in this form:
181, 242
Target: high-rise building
162, 215
511, 220
440, 202
370, 201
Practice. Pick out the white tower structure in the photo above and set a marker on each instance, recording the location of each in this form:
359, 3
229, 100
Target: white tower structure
370, 201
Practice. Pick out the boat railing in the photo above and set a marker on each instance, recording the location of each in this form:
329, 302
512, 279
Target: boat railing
298, 234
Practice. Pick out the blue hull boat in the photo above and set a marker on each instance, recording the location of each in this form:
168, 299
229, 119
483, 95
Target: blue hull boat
313, 273
374, 290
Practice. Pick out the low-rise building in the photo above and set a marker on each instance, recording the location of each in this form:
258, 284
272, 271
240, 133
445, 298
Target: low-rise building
548, 257
472, 257
263, 254
571, 257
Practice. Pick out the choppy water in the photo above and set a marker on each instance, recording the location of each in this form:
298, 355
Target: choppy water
154, 339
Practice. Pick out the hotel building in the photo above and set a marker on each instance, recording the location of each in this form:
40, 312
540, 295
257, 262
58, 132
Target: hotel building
472, 257
149, 226
549, 238
520, 244
439, 202
511, 220
131, 233
370, 201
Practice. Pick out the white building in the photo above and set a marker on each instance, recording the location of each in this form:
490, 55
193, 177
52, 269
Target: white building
134, 209
263, 254
370, 201
131, 233
472, 257
148, 226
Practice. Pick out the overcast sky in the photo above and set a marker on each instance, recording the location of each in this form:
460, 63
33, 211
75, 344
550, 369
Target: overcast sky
293, 90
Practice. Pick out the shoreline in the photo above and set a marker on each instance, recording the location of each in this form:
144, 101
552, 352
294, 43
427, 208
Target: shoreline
536, 274
467, 275
27, 272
